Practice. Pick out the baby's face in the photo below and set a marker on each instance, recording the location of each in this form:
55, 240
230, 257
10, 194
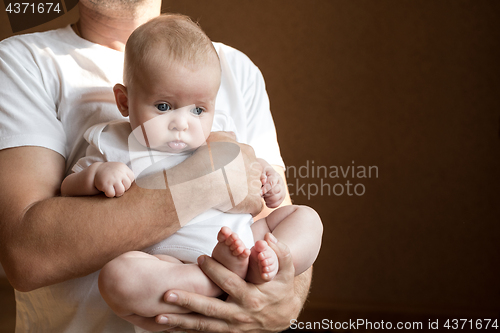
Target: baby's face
175, 105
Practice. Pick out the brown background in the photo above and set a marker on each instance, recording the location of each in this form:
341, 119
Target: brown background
411, 87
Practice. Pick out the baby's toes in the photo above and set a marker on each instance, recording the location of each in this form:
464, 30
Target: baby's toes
223, 234
268, 263
266, 259
242, 253
261, 246
237, 247
230, 239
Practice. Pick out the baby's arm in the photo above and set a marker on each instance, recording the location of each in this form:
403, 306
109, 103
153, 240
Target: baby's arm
273, 185
112, 178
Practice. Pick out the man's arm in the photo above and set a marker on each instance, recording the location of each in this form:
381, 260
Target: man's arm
45, 239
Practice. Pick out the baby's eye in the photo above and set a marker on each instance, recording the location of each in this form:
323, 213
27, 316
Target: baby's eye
197, 111
163, 107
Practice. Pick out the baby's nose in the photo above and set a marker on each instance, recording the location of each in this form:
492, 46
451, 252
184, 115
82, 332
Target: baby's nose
179, 121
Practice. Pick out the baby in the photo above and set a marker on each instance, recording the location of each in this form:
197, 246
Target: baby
172, 75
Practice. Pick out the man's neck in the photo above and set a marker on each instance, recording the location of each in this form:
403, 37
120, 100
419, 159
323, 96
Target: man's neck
111, 27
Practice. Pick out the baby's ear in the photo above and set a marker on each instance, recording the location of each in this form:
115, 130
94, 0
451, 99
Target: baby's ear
121, 98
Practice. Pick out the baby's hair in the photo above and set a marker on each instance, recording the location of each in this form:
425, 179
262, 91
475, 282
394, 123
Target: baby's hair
168, 37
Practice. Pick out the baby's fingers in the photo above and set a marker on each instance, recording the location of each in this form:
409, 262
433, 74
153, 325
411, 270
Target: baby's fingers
109, 191
119, 189
130, 175
270, 187
263, 178
126, 183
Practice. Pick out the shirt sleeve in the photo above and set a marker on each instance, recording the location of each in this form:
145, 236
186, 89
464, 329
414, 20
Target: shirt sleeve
94, 153
253, 116
28, 111
261, 130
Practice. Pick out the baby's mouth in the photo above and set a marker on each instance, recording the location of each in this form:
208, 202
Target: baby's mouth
177, 145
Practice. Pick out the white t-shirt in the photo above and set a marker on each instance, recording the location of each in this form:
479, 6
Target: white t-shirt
55, 85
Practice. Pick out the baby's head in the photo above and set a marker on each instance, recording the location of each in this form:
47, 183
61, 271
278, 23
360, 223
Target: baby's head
171, 70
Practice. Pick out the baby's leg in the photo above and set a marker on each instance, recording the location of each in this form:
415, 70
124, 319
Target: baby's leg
231, 252
299, 227
135, 282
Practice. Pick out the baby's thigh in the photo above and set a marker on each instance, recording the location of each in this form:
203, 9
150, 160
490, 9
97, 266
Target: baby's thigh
269, 224
167, 258
134, 255
259, 229
134, 283
146, 256
134, 266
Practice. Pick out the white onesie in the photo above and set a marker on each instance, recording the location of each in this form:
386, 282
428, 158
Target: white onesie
108, 142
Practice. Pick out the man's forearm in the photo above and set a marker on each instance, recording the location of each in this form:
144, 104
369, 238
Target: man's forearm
302, 285
46, 239
81, 183
66, 237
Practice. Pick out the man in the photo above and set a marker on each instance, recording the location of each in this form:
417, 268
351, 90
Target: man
54, 86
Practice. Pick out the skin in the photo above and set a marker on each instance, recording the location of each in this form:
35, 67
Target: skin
172, 87
39, 247
110, 23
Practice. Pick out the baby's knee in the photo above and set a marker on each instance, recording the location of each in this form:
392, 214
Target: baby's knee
118, 280
311, 217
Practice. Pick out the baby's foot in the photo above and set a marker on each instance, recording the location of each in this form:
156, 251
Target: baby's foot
263, 263
231, 252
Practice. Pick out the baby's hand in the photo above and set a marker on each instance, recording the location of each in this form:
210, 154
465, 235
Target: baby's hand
113, 178
273, 186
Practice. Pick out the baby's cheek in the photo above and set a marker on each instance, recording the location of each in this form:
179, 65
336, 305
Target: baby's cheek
200, 130
157, 139
199, 139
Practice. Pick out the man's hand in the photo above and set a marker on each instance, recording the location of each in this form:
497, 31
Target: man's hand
268, 307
